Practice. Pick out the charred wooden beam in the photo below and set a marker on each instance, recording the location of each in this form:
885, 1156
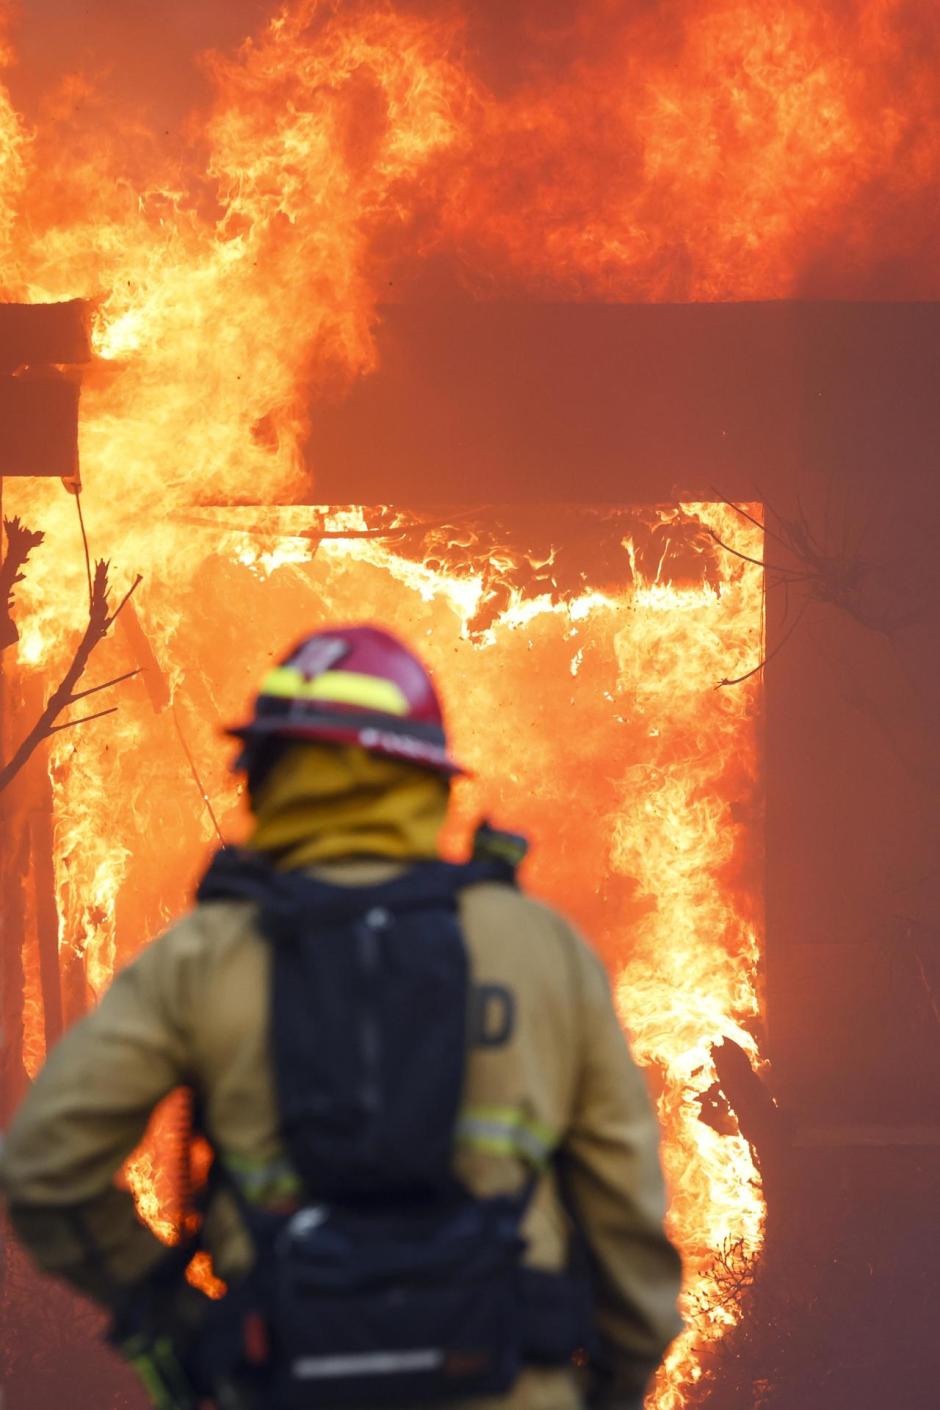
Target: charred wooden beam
39, 406
39, 417
760, 1121
43, 335
152, 675
20, 542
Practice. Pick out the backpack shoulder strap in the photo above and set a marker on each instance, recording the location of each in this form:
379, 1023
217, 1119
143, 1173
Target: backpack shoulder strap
237, 874
493, 844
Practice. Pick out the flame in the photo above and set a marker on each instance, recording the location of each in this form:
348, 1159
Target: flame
721, 150
637, 774
679, 833
692, 978
33, 1042
342, 146
715, 150
90, 861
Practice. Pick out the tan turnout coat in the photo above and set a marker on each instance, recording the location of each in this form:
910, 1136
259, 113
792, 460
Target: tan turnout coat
192, 1008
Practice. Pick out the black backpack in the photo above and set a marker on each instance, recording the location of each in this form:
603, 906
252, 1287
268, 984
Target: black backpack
390, 1284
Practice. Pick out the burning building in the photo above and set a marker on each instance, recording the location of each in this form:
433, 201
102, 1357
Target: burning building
583, 349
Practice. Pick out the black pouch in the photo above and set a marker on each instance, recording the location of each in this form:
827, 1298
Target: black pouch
557, 1316
387, 1308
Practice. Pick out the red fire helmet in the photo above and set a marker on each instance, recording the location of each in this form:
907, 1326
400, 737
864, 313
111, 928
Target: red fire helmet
353, 685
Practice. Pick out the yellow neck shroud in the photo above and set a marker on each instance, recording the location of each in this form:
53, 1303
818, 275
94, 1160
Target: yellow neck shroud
323, 802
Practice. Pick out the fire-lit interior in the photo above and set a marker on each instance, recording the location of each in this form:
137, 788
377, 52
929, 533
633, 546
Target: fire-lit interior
593, 717
600, 664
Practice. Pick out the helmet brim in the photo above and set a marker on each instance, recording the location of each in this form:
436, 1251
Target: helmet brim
384, 736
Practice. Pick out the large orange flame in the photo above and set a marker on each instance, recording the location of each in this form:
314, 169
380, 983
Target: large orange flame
720, 149
592, 718
343, 144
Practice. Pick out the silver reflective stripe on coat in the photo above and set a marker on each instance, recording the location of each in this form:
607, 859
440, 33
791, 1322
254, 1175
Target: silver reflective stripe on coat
366, 1363
506, 1130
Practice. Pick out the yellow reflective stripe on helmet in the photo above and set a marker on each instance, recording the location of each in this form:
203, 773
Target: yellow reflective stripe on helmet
343, 687
503, 1130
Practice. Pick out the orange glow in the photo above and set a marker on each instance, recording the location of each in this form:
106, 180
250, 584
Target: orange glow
726, 149
592, 720
343, 144
710, 149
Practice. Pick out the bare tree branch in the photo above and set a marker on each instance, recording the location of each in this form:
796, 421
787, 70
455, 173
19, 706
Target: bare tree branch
127, 596
750, 517
886, 597
195, 774
792, 573
105, 685
82, 720
730, 1282
100, 620
85, 548
739, 680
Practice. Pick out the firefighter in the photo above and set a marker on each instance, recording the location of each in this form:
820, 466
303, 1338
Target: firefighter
426, 1123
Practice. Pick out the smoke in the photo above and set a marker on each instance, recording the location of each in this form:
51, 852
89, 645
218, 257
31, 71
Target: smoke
141, 57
